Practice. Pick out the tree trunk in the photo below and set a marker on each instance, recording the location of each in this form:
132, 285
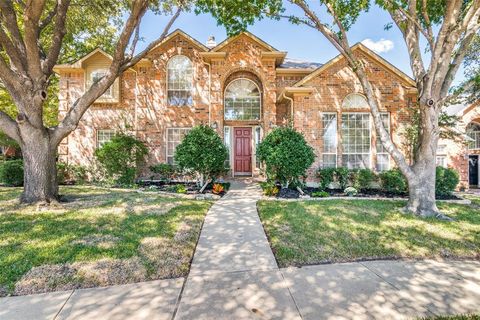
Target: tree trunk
421, 185
421, 190
39, 156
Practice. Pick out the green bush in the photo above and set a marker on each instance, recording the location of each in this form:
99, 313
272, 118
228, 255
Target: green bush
11, 173
71, 173
166, 171
446, 181
320, 194
121, 158
393, 181
326, 176
342, 175
361, 179
286, 155
202, 152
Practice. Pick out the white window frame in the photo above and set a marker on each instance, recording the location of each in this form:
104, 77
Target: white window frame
167, 155
189, 90
379, 144
443, 160
225, 97
108, 94
257, 139
475, 135
111, 132
370, 139
227, 140
336, 138
354, 107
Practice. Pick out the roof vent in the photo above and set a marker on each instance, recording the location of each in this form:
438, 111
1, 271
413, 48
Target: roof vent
211, 43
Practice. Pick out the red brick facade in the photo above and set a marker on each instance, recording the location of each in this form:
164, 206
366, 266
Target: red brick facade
143, 110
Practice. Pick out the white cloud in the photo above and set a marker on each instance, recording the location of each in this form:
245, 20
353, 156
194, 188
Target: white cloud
380, 46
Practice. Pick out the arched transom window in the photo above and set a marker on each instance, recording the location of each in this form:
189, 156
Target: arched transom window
473, 132
354, 101
180, 81
242, 100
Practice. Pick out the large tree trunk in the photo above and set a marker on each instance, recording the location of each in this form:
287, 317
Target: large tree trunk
421, 185
39, 156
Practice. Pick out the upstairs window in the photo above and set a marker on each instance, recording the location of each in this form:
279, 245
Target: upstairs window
96, 76
355, 101
242, 100
180, 81
473, 132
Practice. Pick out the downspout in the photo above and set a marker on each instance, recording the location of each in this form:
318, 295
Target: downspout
291, 107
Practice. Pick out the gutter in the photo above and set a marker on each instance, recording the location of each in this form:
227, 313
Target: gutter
291, 107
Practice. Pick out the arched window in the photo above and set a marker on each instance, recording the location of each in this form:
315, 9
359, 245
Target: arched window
180, 81
354, 101
473, 132
242, 100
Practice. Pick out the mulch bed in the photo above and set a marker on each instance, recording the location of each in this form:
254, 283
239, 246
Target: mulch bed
287, 193
191, 187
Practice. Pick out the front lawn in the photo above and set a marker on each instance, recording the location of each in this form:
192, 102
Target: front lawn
312, 232
98, 237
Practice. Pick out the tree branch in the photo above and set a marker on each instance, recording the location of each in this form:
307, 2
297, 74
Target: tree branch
31, 19
17, 60
9, 126
58, 34
48, 19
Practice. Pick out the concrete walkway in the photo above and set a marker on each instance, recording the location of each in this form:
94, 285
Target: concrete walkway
234, 276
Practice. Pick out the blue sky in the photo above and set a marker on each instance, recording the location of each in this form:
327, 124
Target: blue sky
300, 42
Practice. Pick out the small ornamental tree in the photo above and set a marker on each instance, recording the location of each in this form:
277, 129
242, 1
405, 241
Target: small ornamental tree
121, 157
286, 155
203, 153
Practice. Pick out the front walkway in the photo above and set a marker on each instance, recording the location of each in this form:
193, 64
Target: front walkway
234, 276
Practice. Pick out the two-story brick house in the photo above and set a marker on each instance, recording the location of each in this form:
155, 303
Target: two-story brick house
243, 88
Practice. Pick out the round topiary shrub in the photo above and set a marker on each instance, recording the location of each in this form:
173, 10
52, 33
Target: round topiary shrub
202, 153
446, 180
393, 181
121, 158
11, 173
286, 155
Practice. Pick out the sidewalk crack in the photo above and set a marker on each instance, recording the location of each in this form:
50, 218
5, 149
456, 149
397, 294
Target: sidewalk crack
63, 305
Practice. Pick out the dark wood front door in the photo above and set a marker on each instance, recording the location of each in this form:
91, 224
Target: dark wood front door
473, 170
243, 151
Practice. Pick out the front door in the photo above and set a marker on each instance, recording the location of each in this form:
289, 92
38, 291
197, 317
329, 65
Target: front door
473, 170
243, 151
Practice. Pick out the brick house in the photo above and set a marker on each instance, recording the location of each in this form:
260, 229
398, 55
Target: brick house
243, 88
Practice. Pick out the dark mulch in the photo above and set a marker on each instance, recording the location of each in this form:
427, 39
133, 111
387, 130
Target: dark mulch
191, 187
287, 193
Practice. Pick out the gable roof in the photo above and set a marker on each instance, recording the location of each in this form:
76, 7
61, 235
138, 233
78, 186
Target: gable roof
229, 40
371, 54
185, 35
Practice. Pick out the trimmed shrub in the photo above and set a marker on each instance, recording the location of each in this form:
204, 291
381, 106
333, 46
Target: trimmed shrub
393, 181
11, 173
71, 173
286, 155
165, 171
203, 153
121, 158
326, 176
361, 179
342, 176
320, 194
446, 180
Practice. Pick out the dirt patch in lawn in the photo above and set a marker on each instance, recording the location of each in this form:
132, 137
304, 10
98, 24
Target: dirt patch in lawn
101, 241
62, 277
164, 257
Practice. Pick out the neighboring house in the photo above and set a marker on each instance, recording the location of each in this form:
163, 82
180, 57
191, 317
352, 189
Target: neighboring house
243, 88
463, 152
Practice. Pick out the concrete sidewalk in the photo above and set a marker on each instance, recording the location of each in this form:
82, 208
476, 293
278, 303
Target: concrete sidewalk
234, 276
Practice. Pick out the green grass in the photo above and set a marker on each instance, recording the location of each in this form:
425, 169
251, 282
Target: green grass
312, 232
455, 317
166, 229
472, 197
